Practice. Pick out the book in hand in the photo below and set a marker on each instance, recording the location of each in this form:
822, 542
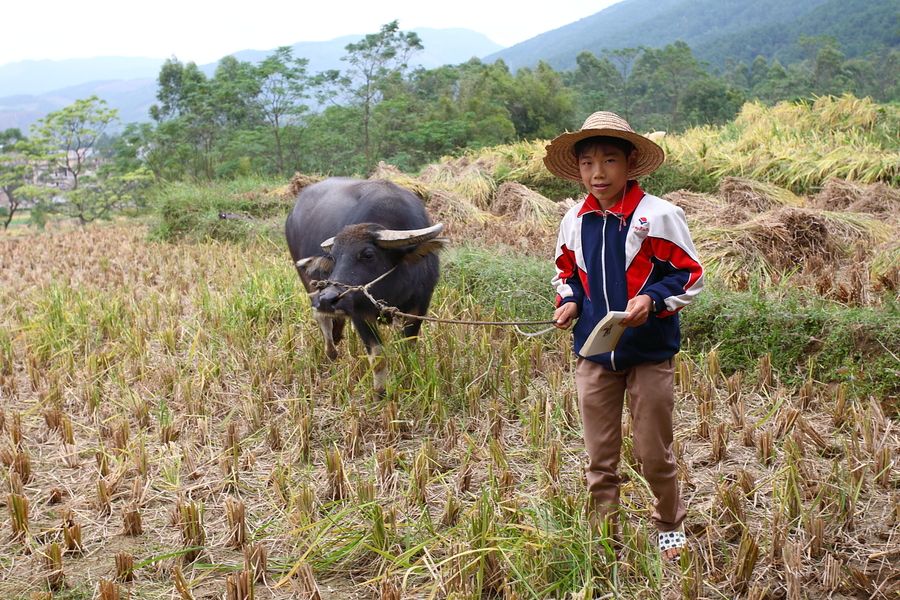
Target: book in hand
605, 335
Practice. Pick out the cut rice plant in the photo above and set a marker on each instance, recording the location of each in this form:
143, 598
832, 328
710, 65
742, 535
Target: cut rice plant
125, 567
832, 575
182, 586
193, 534
338, 485
53, 566
103, 497
796, 145
305, 585
239, 586
719, 447
256, 561
131, 519
18, 515
72, 535
237, 524
744, 562
108, 590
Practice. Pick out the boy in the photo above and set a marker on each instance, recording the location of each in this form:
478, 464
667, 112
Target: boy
621, 249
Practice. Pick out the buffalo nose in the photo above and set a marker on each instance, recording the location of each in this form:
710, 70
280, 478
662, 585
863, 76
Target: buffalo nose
327, 298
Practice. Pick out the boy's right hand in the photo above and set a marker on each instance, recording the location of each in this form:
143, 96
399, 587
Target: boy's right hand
564, 315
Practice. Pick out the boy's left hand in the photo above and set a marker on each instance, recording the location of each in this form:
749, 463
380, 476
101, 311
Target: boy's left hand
638, 310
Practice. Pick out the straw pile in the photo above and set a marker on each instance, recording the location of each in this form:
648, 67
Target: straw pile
704, 210
298, 182
387, 172
525, 205
755, 196
472, 179
840, 194
448, 207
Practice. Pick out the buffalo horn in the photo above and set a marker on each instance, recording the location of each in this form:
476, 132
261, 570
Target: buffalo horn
327, 244
397, 238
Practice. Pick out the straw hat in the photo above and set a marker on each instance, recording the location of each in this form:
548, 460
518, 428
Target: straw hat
562, 162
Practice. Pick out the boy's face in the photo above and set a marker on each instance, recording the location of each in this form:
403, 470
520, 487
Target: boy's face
604, 172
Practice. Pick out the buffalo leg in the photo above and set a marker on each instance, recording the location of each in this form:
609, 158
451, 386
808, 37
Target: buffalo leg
337, 329
369, 334
326, 324
411, 328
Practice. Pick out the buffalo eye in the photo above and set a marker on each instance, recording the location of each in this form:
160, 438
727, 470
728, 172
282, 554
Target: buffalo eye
366, 254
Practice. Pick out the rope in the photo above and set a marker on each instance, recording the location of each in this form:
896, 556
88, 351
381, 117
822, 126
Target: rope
394, 311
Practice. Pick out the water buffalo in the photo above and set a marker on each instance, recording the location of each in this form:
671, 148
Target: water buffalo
351, 232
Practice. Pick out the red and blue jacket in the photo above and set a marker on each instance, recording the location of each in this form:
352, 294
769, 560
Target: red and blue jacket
606, 257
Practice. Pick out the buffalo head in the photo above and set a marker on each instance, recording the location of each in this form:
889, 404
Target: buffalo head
361, 253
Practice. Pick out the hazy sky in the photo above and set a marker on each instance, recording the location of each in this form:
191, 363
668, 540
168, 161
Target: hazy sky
203, 31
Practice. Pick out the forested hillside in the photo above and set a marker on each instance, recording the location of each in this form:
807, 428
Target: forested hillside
254, 118
719, 30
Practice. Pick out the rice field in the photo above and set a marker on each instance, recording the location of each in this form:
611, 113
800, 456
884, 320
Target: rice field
170, 428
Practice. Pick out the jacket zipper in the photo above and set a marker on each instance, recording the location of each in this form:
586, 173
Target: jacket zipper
612, 355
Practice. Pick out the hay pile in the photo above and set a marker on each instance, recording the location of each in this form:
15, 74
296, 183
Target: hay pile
298, 182
703, 210
788, 235
840, 194
454, 210
471, 179
387, 172
525, 205
755, 196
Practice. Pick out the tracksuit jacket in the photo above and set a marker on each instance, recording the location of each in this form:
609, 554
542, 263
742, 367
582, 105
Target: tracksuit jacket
606, 257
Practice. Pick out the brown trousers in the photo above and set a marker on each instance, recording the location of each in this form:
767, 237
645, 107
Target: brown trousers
651, 399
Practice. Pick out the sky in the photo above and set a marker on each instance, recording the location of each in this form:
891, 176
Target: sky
203, 31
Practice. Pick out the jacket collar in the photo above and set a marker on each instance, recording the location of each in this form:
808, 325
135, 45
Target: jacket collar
623, 208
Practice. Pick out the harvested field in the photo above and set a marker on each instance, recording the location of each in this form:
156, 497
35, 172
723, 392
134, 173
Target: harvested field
169, 429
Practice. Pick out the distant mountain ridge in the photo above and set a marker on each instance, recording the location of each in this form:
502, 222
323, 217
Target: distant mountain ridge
31, 89
716, 30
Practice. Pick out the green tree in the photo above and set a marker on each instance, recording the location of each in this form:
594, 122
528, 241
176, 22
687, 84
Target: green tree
234, 89
624, 60
372, 61
188, 122
15, 171
67, 136
661, 78
542, 106
283, 86
597, 85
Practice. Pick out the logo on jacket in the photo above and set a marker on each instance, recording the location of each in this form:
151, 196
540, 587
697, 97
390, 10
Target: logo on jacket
642, 224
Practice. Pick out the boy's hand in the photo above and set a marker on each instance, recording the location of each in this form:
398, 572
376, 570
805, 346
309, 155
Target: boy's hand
564, 315
638, 310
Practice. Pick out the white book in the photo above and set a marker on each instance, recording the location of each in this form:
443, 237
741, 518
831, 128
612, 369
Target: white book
605, 335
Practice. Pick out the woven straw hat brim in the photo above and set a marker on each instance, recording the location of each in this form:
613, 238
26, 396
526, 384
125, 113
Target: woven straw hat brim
562, 162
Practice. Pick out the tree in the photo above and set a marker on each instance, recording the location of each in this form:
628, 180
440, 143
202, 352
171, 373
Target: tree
542, 106
373, 60
65, 143
14, 170
597, 85
661, 77
283, 85
179, 87
624, 60
188, 122
67, 136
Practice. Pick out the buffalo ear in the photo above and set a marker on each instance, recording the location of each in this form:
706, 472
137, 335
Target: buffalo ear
311, 264
422, 250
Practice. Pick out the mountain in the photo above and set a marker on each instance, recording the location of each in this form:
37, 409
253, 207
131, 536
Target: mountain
31, 89
717, 30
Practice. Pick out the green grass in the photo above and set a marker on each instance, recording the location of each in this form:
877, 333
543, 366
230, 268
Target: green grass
188, 211
796, 328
